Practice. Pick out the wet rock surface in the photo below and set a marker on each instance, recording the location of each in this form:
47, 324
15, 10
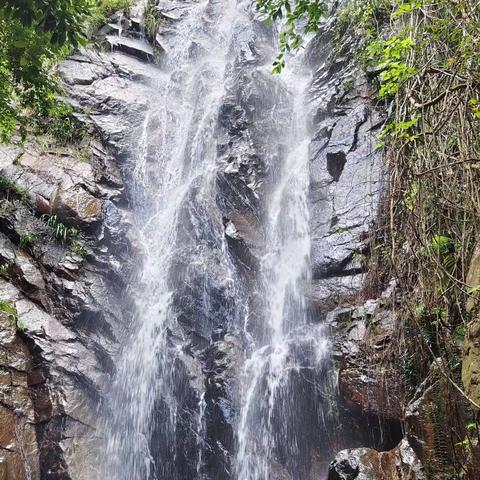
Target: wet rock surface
368, 375
62, 225
368, 464
346, 173
19, 447
373, 379
73, 302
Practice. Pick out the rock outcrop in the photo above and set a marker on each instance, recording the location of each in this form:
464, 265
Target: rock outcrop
68, 252
373, 379
65, 258
19, 446
400, 463
471, 358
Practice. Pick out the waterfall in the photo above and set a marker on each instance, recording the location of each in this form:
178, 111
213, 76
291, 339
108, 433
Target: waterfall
269, 410
192, 288
175, 155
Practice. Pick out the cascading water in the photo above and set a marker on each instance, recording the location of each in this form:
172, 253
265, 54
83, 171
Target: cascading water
268, 438
176, 150
174, 181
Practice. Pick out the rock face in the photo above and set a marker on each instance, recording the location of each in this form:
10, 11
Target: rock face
19, 453
345, 170
471, 359
367, 464
70, 287
65, 262
367, 376
345, 183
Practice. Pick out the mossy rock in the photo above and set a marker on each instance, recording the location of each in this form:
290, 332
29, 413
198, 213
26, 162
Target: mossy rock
471, 356
471, 361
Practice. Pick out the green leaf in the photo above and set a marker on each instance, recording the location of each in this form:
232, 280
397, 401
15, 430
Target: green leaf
20, 43
473, 290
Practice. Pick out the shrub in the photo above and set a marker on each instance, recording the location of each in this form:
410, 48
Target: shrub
103, 10
10, 188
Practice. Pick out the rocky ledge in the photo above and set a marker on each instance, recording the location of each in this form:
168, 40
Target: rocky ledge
65, 260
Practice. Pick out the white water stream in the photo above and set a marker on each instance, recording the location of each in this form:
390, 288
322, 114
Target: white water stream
176, 161
268, 413
183, 150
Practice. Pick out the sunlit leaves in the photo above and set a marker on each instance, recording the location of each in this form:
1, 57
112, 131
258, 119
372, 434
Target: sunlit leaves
400, 129
391, 56
34, 34
475, 107
62, 19
291, 15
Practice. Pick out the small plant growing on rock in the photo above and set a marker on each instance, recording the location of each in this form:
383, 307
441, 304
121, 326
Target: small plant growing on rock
151, 20
59, 122
10, 188
9, 310
102, 12
361, 258
78, 249
67, 235
339, 229
60, 231
84, 154
27, 241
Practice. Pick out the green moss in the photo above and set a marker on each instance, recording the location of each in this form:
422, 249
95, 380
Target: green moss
10, 188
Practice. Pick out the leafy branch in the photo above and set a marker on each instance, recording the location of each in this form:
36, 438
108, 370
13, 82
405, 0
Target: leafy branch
291, 15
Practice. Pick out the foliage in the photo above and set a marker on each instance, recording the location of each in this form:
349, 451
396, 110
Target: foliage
431, 143
9, 310
61, 19
403, 129
34, 34
426, 58
60, 231
78, 248
84, 154
27, 241
109, 7
101, 12
66, 235
362, 20
470, 442
151, 20
8, 187
57, 119
391, 56
292, 14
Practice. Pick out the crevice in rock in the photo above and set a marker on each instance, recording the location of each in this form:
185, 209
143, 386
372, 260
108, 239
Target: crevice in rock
335, 164
355, 133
